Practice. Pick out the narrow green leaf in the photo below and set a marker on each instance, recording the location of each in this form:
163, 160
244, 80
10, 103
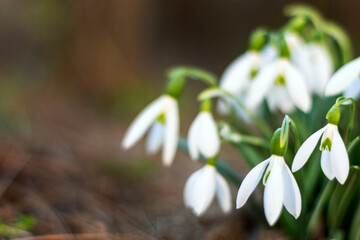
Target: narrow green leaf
355, 225
342, 197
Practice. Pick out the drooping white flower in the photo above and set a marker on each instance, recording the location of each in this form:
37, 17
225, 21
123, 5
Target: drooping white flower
334, 157
201, 188
280, 188
203, 136
238, 75
165, 134
315, 62
280, 76
346, 79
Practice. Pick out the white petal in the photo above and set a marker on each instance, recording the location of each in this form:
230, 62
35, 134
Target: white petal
223, 193
343, 78
305, 150
193, 137
199, 190
237, 75
268, 55
339, 158
298, 92
143, 121
274, 191
322, 67
250, 182
171, 132
292, 197
209, 142
155, 138
261, 84
326, 165
353, 91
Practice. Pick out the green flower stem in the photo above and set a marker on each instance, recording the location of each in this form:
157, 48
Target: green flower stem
177, 79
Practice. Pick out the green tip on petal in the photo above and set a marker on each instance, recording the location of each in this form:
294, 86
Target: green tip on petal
326, 145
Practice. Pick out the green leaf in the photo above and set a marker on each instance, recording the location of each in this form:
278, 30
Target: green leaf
342, 197
321, 201
354, 228
339, 35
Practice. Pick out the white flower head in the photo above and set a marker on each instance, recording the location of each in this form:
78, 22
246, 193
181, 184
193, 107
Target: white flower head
334, 157
165, 133
279, 75
201, 188
239, 74
346, 79
280, 188
315, 62
203, 136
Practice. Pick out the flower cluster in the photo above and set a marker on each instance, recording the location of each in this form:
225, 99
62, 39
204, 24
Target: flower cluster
282, 70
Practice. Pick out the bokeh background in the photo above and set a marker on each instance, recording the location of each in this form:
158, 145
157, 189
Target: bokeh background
75, 73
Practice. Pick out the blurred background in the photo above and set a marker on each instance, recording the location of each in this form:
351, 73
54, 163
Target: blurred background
75, 73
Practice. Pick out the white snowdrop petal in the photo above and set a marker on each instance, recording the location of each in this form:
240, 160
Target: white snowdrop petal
250, 182
268, 55
306, 149
326, 165
188, 188
339, 158
353, 91
322, 67
237, 74
274, 191
209, 142
143, 121
201, 192
261, 84
343, 78
297, 89
193, 138
155, 138
223, 193
292, 196
171, 133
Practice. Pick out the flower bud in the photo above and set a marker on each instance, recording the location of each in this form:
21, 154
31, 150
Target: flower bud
275, 146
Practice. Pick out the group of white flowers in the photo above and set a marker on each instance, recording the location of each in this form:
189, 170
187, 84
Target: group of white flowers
285, 78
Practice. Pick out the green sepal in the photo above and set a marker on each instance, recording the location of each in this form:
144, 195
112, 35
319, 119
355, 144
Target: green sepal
333, 115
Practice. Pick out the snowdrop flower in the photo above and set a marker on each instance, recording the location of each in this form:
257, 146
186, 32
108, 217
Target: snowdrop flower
282, 84
346, 79
201, 188
162, 116
280, 188
238, 75
280, 185
334, 156
203, 136
315, 62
